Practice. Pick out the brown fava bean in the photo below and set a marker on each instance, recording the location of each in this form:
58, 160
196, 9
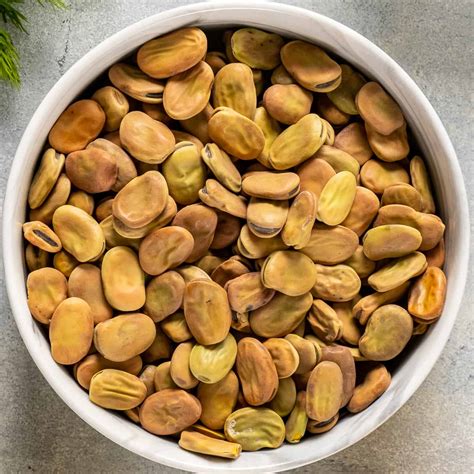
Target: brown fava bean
113, 238
353, 140
160, 347
215, 195
191, 273
179, 369
330, 112
281, 76
393, 147
379, 175
270, 185
271, 129
198, 125
316, 427
351, 331
287, 103
324, 321
314, 174
216, 60
364, 208
436, 256
82, 200
147, 377
40, 235
36, 258
307, 356
336, 283
247, 293
163, 379
284, 356
404, 194
104, 209
176, 328
251, 246
114, 104
343, 96
228, 270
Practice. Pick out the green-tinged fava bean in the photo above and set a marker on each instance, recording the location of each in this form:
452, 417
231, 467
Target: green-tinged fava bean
281, 76
295, 426
338, 159
404, 194
351, 330
421, 182
254, 247
180, 366
285, 398
113, 238
344, 95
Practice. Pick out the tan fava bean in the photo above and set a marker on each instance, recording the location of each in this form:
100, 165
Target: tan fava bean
117, 390
295, 426
164, 295
284, 356
404, 194
207, 311
124, 336
201, 222
362, 265
285, 398
379, 175
297, 143
436, 256
281, 76
165, 248
343, 96
47, 288
179, 370
330, 112
160, 347
215, 195
307, 356
251, 246
236, 134
176, 328
104, 209
148, 377
289, 272
427, 295
314, 174
146, 139
353, 140
281, 315
421, 182
181, 136
113, 238
311, 66
70, 331
316, 427
85, 283
169, 411
123, 279
390, 241
80, 234
247, 293
187, 93
351, 330
271, 129
209, 364
256, 370
287, 103
199, 443
398, 271
216, 60
338, 159
114, 104
82, 200
300, 221
198, 125
92, 170
325, 392
364, 208
270, 185
40, 235
163, 379
393, 147
265, 217
133, 82
336, 283
376, 381
221, 165
36, 258
387, 333
378, 109
172, 53
256, 48
234, 88
45, 178
191, 273
77, 126
324, 321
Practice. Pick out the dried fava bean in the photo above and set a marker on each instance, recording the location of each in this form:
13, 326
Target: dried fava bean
378, 109
336, 283
199, 443
271, 129
198, 125
79, 233
314, 174
376, 381
236, 134
187, 137
421, 182
379, 175
351, 330
77, 126
191, 273
338, 159
398, 271
92, 170
172, 53
247, 293
157, 112
387, 332
103, 209
404, 194
117, 390
393, 147
295, 426
160, 347
214, 434
164, 295
146, 139
114, 104
307, 355
123, 279
281, 76
47, 288
435, 257
284, 356
324, 321
319, 427
169, 411
281, 315
148, 378
285, 398
85, 283
216, 60
40, 235
133, 82
353, 140
165, 248
270, 185
234, 88
180, 366
325, 392
36, 258
289, 272
427, 295
209, 263
336, 198
300, 221
187, 93
210, 364
215, 195
82, 200
311, 66
175, 327
113, 238
228, 270
163, 379
256, 48
330, 112
251, 246
185, 173
124, 336
70, 331
297, 143
362, 265
265, 217
45, 178
391, 241
343, 96
364, 208
221, 165
330, 134
287, 103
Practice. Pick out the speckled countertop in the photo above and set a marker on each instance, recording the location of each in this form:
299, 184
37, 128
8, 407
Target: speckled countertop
433, 41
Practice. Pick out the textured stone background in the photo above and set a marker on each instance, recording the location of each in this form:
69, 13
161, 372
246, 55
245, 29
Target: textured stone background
433, 41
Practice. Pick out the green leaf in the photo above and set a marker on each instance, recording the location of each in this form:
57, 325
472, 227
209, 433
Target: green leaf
10, 13
9, 60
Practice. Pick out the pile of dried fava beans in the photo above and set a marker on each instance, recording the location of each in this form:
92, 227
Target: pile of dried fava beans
239, 242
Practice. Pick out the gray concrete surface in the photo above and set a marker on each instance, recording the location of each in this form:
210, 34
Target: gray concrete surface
433, 432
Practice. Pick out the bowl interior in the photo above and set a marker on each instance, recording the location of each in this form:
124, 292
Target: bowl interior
437, 151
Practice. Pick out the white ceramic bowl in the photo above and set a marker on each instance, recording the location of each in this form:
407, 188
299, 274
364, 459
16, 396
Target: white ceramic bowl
438, 152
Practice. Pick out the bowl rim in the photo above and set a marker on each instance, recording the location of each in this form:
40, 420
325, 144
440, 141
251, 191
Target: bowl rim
15, 196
